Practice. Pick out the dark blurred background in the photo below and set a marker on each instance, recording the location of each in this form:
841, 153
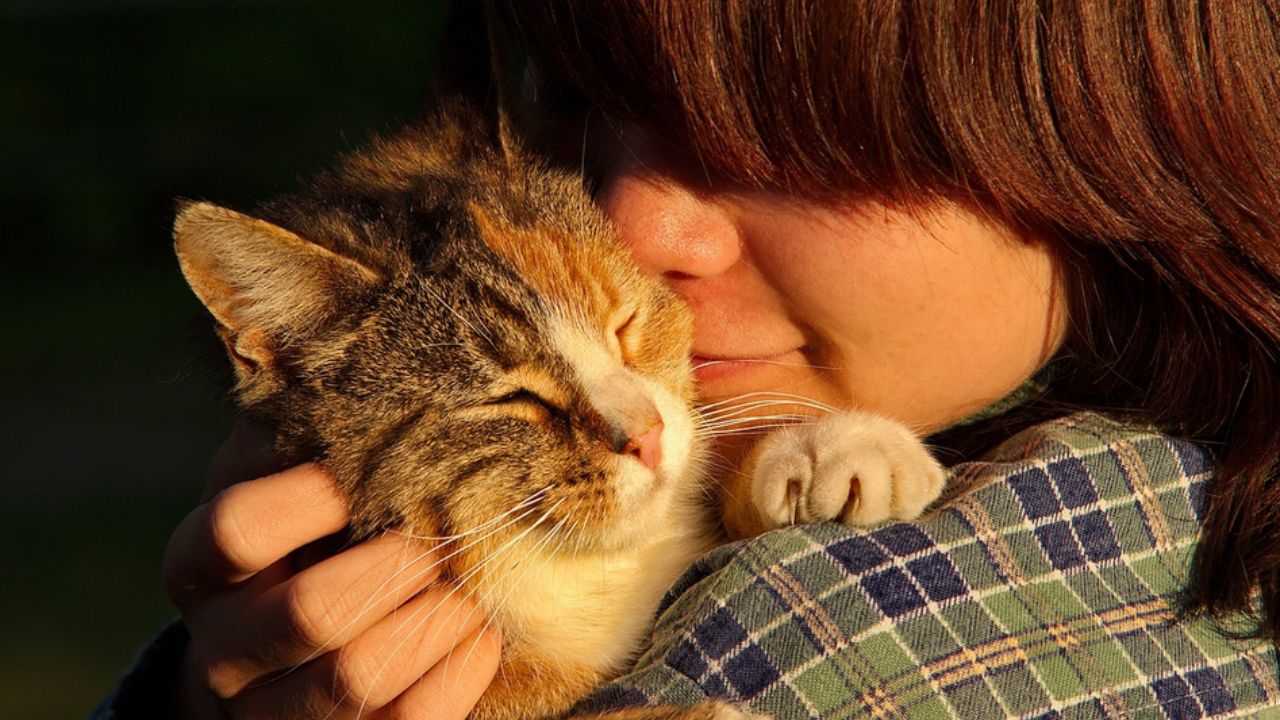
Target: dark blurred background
111, 400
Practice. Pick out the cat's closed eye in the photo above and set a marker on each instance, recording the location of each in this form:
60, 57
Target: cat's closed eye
524, 396
623, 336
531, 394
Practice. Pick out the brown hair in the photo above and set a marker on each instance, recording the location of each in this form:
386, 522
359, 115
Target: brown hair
1143, 137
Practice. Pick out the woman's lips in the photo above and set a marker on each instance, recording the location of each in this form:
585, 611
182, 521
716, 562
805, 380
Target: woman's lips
709, 369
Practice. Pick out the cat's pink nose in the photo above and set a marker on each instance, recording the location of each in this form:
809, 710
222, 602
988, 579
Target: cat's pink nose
646, 445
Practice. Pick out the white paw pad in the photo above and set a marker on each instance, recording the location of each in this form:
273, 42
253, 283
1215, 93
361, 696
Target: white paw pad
857, 467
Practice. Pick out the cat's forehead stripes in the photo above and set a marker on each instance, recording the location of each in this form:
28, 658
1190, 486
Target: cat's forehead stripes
488, 306
566, 271
505, 322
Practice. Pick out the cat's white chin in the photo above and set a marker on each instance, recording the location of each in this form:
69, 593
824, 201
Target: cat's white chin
647, 499
652, 504
644, 500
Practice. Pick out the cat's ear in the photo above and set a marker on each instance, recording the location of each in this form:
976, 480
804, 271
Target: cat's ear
475, 62
265, 286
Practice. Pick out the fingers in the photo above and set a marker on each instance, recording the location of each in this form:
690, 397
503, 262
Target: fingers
452, 689
434, 633
364, 627
247, 528
253, 632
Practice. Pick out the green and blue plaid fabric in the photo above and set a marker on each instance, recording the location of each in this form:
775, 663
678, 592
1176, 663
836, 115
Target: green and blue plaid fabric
1045, 586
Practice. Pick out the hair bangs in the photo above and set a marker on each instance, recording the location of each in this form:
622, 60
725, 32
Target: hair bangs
809, 98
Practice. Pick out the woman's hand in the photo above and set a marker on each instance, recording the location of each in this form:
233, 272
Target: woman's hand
364, 632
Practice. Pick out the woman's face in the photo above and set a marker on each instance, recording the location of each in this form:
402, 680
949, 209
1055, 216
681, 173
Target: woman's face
924, 316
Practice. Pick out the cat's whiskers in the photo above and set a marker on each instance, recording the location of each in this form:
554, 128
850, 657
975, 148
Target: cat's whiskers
719, 462
745, 408
740, 421
576, 545
458, 549
532, 499
375, 597
582, 168
780, 396
751, 430
495, 610
759, 393
453, 311
751, 424
755, 411
740, 415
487, 601
501, 550
542, 542
458, 584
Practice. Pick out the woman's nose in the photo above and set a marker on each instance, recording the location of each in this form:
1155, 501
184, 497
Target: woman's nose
672, 230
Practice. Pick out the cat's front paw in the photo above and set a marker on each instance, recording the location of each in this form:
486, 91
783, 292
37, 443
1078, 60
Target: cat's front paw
857, 467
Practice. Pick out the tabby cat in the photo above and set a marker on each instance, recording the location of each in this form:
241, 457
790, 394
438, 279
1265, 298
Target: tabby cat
455, 332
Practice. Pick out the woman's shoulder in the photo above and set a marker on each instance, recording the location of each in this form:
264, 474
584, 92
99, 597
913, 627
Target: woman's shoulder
1071, 492
1048, 577
1089, 433
1108, 478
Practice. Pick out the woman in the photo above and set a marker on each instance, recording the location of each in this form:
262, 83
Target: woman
1044, 234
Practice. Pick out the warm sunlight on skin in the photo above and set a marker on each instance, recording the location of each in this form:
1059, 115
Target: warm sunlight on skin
922, 316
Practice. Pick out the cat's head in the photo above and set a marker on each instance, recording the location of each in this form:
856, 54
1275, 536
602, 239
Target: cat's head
458, 336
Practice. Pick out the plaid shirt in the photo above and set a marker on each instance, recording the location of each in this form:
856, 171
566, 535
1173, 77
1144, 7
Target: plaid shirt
1045, 586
